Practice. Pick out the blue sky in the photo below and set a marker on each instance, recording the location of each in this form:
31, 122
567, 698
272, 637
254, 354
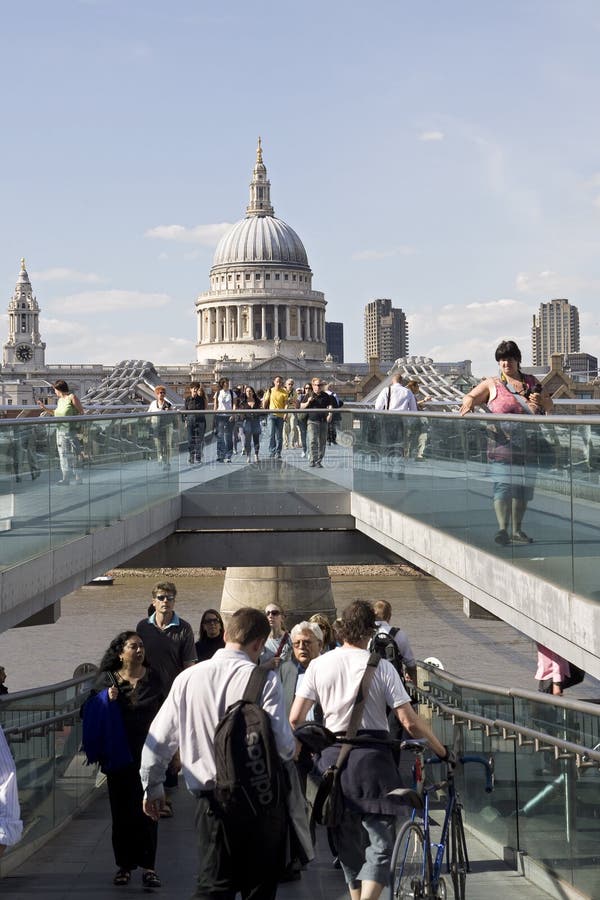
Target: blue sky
443, 154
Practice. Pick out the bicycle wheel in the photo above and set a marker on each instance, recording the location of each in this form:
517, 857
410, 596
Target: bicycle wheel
410, 870
459, 861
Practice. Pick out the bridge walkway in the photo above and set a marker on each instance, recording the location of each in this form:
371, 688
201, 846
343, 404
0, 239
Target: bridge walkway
78, 865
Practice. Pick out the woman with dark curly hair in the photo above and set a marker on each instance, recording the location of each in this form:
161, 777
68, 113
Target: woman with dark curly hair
116, 719
210, 637
514, 393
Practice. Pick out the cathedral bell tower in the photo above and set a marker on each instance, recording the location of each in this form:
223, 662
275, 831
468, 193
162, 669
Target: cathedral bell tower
24, 349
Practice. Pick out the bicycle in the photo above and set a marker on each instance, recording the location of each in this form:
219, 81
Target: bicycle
415, 874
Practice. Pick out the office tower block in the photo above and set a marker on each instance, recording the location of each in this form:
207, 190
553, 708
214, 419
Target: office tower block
386, 331
555, 330
334, 339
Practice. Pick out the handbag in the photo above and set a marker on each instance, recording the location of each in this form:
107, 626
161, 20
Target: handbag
328, 808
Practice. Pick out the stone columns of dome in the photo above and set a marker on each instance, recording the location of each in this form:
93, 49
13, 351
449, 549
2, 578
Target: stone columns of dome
227, 323
287, 323
275, 321
239, 321
308, 331
315, 331
263, 323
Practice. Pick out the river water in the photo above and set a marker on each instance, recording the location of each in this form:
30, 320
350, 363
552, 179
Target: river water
429, 611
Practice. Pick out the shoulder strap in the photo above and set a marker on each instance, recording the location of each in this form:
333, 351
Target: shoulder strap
282, 644
389, 397
359, 705
521, 400
256, 684
393, 632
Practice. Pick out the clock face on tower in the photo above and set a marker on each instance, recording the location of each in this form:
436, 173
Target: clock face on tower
24, 353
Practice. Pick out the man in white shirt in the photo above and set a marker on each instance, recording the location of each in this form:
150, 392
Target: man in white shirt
232, 856
11, 826
396, 396
365, 838
383, 616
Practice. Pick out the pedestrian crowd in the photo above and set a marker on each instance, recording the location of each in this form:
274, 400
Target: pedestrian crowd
162, 702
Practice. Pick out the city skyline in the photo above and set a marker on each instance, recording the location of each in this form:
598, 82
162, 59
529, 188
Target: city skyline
442, 157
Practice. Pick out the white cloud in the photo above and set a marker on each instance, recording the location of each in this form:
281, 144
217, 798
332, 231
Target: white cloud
432, 136
207, 235
470, 331
552, 284
62, 273
84, 343
91, 302
369, 255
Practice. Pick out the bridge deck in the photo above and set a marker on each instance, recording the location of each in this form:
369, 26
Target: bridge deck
78, 865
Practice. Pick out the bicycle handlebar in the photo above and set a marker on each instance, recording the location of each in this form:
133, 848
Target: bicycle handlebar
488, 765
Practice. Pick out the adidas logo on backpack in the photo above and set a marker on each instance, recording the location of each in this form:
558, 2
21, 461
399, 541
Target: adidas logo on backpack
249, 768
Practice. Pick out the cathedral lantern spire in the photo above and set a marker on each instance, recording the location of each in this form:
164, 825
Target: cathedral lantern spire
260, 188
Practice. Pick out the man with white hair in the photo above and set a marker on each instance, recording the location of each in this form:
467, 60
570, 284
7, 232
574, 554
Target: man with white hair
307, 644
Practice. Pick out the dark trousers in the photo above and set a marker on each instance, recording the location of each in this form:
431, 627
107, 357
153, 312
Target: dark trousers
133, 832
195, 435
252, 432
245, 856
275, 436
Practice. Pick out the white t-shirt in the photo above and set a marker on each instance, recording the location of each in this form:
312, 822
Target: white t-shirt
333, 680
225, 400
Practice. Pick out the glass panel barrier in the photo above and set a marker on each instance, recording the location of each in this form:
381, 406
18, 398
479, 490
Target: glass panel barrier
483, 480
43, 729
542, 803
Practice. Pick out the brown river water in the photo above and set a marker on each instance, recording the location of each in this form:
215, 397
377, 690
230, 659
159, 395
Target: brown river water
431, 613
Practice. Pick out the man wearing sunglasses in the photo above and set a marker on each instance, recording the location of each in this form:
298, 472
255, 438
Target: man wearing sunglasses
170, 648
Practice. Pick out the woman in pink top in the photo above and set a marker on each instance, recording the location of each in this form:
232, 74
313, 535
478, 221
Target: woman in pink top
510, 393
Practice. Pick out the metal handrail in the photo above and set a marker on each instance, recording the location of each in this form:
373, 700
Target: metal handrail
20, 733
46, 689
550, 419
518, 693
584, 756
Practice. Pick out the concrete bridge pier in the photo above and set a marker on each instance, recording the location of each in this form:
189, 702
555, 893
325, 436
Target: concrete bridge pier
301, 591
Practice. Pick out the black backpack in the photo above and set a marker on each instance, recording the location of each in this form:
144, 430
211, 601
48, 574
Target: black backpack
383, 644
250, 775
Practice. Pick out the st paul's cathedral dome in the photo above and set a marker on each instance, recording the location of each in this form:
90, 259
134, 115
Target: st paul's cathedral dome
260, 301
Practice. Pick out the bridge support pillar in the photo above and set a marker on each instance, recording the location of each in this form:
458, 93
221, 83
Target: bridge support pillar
301, 591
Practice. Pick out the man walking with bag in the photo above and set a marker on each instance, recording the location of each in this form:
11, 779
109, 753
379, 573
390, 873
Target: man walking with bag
365, 837
237, 851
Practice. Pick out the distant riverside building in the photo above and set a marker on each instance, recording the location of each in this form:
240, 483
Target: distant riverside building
261, 302
581, 366
334, 338
555, 330
386, 331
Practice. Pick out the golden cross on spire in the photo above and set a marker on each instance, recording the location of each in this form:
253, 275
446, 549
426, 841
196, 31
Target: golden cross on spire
259, 158
22, 263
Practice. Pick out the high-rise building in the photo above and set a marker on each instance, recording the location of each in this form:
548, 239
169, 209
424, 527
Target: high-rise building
334, 339
555, 330
386, 331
